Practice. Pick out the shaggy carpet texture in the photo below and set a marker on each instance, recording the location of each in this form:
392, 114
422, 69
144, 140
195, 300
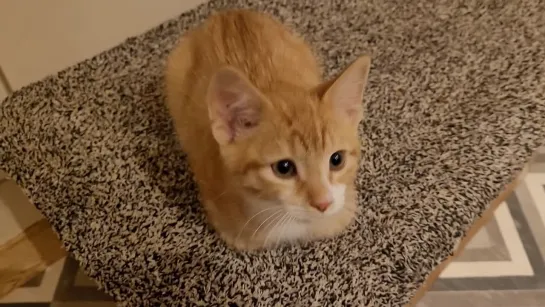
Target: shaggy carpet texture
455, 107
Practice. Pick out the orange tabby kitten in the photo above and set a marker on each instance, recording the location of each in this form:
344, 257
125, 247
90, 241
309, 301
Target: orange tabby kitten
273, 150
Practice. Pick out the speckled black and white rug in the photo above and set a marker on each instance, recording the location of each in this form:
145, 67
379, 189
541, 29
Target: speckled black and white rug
455, 104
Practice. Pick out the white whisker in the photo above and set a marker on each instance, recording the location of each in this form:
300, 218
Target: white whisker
250, 219
289, 219
274, 214
273, 228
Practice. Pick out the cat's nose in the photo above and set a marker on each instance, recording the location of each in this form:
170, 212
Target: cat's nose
322, 205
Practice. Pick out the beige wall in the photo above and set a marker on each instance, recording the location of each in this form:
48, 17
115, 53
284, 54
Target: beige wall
38, 38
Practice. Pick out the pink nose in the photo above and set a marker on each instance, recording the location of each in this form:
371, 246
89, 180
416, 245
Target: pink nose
323, 205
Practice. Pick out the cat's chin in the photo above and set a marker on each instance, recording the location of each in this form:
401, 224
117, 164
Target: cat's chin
291, 230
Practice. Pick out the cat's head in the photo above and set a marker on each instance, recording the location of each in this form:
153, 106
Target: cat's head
295, 148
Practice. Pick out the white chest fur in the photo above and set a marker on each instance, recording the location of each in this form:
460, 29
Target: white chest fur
287, 231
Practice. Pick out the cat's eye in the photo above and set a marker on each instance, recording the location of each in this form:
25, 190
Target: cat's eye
336, 161
284, 168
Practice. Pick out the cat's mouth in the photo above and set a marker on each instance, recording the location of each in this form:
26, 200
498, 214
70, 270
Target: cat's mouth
307, 218
302, 220
304, 215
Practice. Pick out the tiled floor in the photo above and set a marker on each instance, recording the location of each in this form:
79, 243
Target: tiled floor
502, 266
62, 284
14, 218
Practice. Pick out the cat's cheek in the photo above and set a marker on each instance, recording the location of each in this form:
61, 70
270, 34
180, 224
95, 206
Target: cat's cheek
266, 185
251, 182
339, 192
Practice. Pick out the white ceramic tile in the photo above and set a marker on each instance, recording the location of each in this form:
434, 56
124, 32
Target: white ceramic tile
480, 240
535, 182
42, 37
519, 264
44, 293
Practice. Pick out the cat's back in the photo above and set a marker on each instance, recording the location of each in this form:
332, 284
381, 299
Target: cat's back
265, 50
256, 44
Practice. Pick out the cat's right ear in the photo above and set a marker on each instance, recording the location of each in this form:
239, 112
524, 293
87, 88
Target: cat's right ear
234, 105
345, 93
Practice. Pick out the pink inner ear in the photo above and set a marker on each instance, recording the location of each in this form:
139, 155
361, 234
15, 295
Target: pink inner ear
244, 115
227, 97
237, 109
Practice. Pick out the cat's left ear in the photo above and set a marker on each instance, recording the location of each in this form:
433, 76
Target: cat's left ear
234, 105
345, 93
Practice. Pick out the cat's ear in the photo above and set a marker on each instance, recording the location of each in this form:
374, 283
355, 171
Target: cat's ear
234, 105
346, 91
